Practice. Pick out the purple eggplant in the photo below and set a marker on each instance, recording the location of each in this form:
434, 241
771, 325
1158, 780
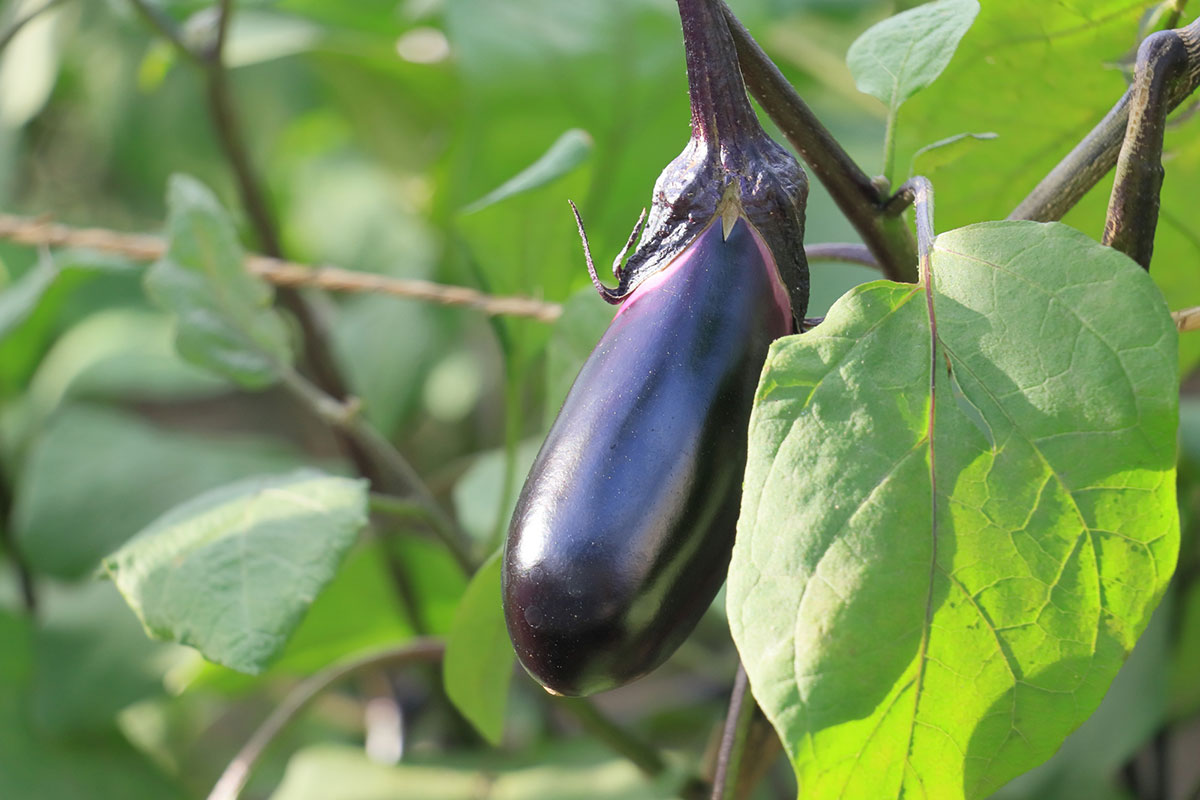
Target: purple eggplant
623, 532
624, 527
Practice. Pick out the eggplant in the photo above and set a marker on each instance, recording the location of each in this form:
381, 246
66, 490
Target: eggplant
623, 530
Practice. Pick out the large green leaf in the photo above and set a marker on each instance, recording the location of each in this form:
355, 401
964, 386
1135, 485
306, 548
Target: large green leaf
95, 477
1040, 75
479, 658
930, 593
226, 322
232, 572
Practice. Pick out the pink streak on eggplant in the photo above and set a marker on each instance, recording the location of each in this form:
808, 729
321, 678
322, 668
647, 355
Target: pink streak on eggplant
624, 527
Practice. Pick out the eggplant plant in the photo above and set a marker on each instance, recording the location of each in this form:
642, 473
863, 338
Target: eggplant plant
946, 474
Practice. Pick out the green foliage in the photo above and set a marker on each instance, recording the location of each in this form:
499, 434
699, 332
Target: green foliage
964, 571
226, 322
232, 571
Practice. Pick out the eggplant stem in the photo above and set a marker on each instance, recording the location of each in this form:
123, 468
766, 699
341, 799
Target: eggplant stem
611, 296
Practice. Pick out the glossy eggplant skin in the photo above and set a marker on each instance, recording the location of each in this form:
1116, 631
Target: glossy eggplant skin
623, 531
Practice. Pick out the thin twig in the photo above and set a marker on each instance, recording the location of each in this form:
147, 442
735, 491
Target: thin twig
229, 786
855, 194
10, 33
37, 231
1092, 158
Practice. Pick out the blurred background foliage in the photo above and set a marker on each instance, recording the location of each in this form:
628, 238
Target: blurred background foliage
377, 126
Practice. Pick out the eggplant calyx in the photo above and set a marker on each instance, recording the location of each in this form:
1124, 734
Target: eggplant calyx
611, 296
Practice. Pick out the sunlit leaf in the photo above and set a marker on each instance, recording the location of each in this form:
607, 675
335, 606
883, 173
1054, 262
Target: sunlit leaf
930, 593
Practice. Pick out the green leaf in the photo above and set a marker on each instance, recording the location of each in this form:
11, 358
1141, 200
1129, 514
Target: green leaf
1090, 762
233, 571
479, 658
568, 152
896, 58
19, 300
226, 323
931, 620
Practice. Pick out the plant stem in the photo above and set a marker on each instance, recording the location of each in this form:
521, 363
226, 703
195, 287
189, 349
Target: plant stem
858, 198
1163, 62
229, 786
1092, 158
733, 738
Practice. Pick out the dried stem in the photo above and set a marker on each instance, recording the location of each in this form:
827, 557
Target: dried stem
39, 231
35, 231
229, 786
855, 194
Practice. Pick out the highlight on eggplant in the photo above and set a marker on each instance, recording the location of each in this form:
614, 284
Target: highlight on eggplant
624, 527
